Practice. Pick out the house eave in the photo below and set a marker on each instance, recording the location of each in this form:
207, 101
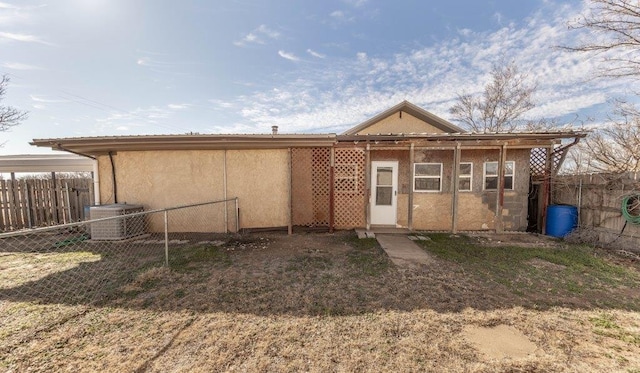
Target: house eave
103, 145
530, 139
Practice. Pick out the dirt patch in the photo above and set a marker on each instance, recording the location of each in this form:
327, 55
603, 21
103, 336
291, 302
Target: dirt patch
516, 239
545, 265
501, 341
331, 302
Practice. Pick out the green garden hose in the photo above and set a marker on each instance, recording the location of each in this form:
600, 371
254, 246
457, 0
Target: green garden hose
631, 208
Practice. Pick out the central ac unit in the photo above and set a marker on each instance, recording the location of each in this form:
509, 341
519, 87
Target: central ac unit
121, 226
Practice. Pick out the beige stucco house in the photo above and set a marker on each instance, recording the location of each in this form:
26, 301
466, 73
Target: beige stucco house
402, 168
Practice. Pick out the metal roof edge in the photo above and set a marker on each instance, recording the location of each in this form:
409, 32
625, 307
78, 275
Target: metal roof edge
45, 163
462, 136
100, 145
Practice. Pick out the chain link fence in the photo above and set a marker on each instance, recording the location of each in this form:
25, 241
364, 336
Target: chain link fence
86, 262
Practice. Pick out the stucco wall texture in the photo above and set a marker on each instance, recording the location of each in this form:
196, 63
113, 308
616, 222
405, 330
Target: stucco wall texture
476, 209
159, 179
399, 123
260, 178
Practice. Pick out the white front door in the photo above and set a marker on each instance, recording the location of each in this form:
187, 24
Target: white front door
384, 192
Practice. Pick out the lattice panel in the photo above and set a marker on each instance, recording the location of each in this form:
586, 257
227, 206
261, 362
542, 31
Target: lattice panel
539, 160
310, 186
320, 185
349, 188
346, 178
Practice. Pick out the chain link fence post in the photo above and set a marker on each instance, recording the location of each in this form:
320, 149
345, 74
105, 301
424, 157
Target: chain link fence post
166, 238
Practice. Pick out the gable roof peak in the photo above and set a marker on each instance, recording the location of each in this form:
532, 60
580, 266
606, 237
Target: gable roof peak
412, 109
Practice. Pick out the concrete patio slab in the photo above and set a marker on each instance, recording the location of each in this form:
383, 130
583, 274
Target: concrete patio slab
403, 252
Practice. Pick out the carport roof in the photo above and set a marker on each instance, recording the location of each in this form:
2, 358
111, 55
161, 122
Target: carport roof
45, 163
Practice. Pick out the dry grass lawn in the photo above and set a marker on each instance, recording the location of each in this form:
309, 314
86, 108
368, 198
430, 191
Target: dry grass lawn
321, 302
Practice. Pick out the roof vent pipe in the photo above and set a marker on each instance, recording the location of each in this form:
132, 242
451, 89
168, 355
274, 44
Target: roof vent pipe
274, 130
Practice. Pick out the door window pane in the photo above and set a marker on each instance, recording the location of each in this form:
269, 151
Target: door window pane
384, 176
383, 195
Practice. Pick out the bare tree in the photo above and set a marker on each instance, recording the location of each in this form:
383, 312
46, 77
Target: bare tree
9, 116
614, 35
616, 148
500, 106
614, 27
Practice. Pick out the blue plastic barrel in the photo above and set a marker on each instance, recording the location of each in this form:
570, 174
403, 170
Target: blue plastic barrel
561, 220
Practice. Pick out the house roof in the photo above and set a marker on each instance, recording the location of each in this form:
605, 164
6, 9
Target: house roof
416, 111
105, 144
519, 140
91, 146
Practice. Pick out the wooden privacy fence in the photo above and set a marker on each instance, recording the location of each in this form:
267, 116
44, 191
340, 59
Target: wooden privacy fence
599, 199
33, 203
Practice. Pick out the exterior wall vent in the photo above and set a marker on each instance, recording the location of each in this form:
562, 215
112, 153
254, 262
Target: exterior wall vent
116, 229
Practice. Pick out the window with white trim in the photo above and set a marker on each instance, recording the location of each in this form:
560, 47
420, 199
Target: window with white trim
427, 177
491, 175
465, 178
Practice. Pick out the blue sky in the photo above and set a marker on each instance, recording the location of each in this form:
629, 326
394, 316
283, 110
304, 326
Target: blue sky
122, 67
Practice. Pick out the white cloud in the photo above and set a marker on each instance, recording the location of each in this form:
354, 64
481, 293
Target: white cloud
178, 106
221, 104
356, 3
268, 32
12, 16
258, 36
497, 16
8, 6
288, 56
20, 66
316, 54
339, 17
46, 100
165, 66
22, 38
343, 92
152, 118
565, 105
